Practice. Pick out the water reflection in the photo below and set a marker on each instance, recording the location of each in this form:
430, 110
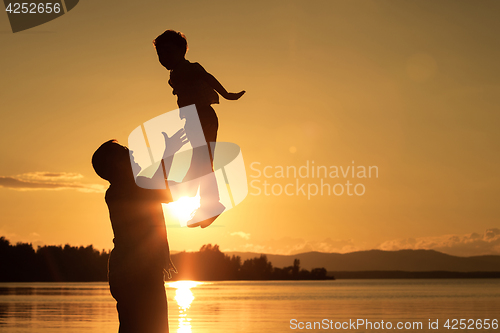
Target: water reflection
184, 297
251, 306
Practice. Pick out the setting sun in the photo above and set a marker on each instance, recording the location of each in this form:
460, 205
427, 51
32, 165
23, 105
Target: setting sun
183, 209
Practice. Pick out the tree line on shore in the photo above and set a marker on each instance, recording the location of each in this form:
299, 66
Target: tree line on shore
211, 264
22, 263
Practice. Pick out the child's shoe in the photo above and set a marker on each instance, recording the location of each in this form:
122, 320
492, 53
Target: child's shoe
206, 215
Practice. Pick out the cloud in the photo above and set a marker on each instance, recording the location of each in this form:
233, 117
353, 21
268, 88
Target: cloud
288, 246
242, 234
465, 245
461, 245
8, 235
49, 181
50, 176
31, 238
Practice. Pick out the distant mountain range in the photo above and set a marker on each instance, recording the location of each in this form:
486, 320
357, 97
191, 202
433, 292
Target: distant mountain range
378, 260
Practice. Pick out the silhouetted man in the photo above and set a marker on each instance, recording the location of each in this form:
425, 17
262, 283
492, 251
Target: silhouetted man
141, 255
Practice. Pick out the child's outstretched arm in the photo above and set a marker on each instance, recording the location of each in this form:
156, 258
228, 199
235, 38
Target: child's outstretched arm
215, 84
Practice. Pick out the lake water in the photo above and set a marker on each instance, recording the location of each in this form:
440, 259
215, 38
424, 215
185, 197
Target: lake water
263, 306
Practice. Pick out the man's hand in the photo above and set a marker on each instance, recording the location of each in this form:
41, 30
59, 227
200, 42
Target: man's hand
234, 96
174, 143
171, 267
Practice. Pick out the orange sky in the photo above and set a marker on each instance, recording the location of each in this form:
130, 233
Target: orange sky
410, 87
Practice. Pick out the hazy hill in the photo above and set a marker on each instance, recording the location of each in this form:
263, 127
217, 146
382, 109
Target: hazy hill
376, 260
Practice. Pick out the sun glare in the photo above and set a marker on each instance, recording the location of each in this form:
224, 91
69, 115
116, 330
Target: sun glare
184, 284
184, 208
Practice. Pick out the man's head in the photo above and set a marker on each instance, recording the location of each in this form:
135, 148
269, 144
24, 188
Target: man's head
111, 161
171, 47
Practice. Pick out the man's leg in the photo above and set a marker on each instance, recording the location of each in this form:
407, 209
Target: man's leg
141, 303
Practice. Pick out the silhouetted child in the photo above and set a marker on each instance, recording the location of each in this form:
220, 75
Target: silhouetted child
141, 254
194, 85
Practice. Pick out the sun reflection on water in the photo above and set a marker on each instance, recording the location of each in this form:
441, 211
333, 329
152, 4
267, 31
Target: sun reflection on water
184, 297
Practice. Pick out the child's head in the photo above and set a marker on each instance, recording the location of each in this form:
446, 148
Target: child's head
111, 161
171, 47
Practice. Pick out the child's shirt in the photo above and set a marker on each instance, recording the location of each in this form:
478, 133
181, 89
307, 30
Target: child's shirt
190, 87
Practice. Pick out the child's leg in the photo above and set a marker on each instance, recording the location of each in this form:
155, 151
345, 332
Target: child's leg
201, 161
210, 206
209, 192
210, 126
